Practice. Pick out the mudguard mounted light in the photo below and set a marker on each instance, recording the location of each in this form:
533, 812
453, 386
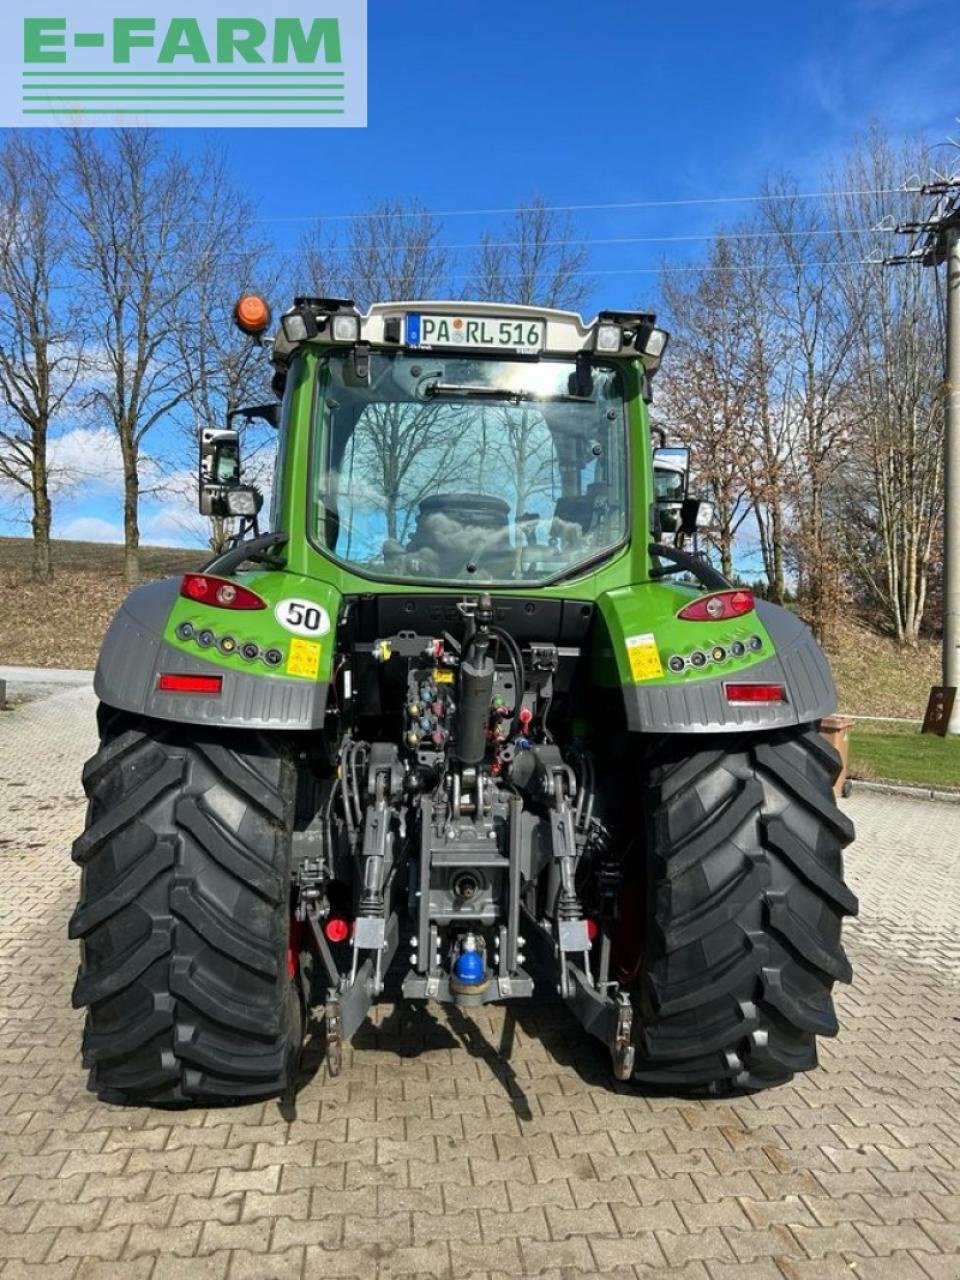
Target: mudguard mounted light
204, 588
174, 682
252, 314
748, 695
718, 606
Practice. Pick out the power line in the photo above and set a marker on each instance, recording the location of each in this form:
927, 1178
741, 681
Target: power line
587, 273
590, 208
564, 242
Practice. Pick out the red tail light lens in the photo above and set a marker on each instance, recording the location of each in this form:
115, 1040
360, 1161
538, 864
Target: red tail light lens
170, 683
750, 694
220, 592
716, 607
337, 929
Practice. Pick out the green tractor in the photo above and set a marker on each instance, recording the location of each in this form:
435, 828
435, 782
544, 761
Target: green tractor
472, 722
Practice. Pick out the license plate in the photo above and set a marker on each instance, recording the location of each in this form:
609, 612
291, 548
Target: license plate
483, 333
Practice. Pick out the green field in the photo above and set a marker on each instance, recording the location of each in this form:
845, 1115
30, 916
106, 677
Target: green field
894, 753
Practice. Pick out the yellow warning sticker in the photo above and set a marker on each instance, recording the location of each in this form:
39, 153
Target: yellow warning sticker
304, 659
442, 675
644, 657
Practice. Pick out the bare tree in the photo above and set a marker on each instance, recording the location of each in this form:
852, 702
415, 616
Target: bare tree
818, 324
41, 339
892, 500
221, 368
768, 421
392, 252
139, 248
535, 259
708, 389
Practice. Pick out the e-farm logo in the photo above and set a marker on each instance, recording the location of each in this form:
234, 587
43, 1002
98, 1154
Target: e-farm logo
105, 64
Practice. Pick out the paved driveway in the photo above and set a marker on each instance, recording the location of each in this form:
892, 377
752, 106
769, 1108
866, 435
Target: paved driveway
436, 1155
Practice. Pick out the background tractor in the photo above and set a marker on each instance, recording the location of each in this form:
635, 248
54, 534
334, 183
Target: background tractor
472, 722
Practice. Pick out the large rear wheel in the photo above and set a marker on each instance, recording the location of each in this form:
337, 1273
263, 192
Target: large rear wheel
744, 903
184, 913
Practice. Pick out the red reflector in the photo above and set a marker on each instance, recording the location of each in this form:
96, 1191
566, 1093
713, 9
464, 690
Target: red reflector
592, 929
337, 929
719, 605
754, 693
220, 592
170, 683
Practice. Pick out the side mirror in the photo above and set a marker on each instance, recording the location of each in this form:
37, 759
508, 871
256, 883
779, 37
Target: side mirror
671, 471
219, 469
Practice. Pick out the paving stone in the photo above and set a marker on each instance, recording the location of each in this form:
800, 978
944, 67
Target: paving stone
215, 1236
635, 1250
895, 1266
182, 1240
169, 1266
843, 1238
132, 1268
709, 1243
66, 1269
245, 1265
944, 1266
73, 1243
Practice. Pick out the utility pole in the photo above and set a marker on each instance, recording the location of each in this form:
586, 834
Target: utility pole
937, 241
951, 471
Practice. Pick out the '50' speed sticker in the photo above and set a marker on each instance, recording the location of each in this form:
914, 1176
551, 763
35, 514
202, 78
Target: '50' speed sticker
302, 617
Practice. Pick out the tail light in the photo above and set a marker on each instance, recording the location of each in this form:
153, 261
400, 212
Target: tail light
175, 683
337, 929
717, 607
220, 592
751, 694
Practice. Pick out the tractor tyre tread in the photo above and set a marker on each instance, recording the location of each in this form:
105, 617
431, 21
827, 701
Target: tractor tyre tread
744, 910
184, 913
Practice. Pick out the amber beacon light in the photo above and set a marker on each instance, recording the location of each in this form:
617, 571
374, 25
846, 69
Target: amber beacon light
252, 314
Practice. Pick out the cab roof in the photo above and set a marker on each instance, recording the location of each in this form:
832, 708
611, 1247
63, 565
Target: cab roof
387, 326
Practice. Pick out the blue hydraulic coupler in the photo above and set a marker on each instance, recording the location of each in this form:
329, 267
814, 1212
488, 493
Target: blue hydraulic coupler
469, 976
469, 969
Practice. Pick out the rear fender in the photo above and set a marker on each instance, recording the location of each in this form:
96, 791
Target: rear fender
145, 640
643, 633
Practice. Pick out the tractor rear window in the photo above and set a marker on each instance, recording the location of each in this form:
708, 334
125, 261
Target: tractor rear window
452, 469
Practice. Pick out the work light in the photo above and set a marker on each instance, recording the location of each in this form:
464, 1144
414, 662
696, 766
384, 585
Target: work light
299, 325
345, 328
243, 501
651, 341
608, 338
656, 343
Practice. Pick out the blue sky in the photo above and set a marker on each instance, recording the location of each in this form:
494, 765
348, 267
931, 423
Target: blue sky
480, 106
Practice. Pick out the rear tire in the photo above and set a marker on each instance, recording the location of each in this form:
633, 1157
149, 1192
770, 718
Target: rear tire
184, 914
744, 910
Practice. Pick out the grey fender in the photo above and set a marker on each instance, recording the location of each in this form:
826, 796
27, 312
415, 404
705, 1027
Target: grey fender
134, 654
700, 706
